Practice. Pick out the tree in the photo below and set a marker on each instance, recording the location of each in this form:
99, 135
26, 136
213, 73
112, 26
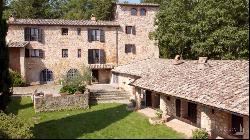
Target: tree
5, 81
217, 29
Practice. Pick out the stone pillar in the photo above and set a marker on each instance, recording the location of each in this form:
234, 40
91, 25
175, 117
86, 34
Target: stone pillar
22, 63
163, 106
206, 119
138, 98
246, 127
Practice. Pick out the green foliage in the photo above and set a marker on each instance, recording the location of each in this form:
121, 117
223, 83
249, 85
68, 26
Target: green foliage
199, 134
159, 113
11, 127
77, 82
16, 79
217, 29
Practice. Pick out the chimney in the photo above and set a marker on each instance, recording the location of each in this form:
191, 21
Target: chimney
202, 63
12, 18
178, 60
93, 18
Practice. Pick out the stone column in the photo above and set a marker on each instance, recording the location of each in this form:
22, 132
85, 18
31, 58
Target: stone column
138, 98
163, 106
22, 63
246, 127
206, 119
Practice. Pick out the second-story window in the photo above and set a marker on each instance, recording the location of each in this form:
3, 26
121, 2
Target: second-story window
34, 53
33, 34
143, 12
78, 31
96, 56
79, 53
96, 35
130, 30
130, 48
64, 53
134, 12
65, 31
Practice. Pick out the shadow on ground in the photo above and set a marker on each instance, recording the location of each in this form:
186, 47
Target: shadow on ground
15, 105
77, 125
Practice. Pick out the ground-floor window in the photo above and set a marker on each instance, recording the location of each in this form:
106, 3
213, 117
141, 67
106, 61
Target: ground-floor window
237, 126
72, 73
115, 78
46, 76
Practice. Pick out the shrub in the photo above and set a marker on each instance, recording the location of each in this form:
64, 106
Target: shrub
12, 127
16, 79
159, 113
200, 134
76, 83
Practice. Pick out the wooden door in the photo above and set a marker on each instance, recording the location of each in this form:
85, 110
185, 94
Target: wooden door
178, 107
148, 99
192, 112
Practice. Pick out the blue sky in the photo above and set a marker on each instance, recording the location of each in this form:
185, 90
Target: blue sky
131, 1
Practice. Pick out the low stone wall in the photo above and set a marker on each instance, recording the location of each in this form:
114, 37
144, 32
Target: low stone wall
66, 102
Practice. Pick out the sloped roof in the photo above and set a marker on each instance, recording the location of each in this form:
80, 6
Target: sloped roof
139, 4
222, 83
18, 44
62, 22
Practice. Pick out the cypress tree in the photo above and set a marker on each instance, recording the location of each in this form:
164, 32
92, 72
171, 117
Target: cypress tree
5, 81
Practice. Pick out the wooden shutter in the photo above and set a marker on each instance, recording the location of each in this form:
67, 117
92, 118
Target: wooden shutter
90, 35
27, 53
41, 53
133, 49
102, 36
133, 30
27, 34
102, 56
126, 48
40, 35
90, 56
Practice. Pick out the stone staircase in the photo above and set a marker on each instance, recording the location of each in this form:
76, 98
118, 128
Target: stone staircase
108, 95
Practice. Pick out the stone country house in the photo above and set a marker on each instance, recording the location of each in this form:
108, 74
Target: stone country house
210, 94
45, 50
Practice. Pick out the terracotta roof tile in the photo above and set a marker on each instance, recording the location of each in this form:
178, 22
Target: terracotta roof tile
222, 83
18, 44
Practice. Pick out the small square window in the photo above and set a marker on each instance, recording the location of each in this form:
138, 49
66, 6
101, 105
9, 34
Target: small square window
64, 31
79, 54
64, 53
130, 48
129, 29
78, 31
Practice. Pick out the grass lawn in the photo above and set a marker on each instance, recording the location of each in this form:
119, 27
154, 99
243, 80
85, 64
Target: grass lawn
100, 121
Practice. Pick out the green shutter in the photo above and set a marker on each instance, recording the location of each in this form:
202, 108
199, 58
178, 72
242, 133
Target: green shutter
90, 35
40, 35
102, 36
27, 34
133, 30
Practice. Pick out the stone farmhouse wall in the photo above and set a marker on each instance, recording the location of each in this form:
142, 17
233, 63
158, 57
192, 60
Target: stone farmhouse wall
53, 44
145, 48
65, 102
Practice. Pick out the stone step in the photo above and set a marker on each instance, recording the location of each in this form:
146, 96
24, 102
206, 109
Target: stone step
124, 101
104, 93
109, 95
108, 98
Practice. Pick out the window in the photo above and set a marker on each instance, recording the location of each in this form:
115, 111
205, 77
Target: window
143, 12
64, 53
168, 98
33, 34
133, 12
130, 48
64, 31
72, 73
115, 78
34, 53
46, 75
130, 30
96, 35
237, 126
78, 31
79, 53
96, 56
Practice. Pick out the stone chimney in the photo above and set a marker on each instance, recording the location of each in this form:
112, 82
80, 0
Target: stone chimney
202, 63
12, 18
178, 60
93, 18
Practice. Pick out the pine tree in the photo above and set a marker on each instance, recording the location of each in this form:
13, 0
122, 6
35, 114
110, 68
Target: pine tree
5, 81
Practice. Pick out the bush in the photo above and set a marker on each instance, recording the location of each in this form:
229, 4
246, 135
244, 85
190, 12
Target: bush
159, 113
12, 127
16, 79
200, 134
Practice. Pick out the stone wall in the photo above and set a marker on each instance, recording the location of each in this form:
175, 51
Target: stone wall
64, 102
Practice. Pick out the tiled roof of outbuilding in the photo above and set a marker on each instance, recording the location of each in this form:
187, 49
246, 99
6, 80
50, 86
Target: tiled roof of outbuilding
18, 44
222, 83
62, 22
139, 4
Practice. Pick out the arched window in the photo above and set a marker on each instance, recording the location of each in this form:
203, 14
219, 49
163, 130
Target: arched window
46, 76
133, 12
72, 73
143, 12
